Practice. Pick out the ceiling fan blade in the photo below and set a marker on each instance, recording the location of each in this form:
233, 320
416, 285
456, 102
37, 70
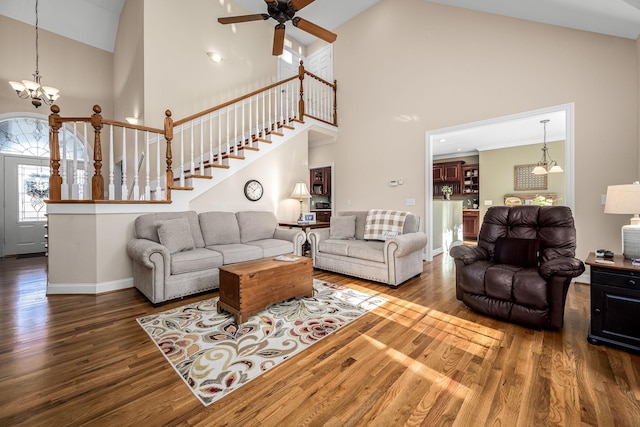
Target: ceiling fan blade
243, 18
278, 40
299, 4
314, 29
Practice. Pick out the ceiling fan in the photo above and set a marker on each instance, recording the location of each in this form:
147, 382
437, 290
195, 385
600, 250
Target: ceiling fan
283, 11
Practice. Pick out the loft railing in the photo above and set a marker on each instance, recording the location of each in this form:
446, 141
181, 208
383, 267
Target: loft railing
197, 144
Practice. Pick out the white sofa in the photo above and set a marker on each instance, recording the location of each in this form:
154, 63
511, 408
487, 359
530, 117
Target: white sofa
176, 254
392, 261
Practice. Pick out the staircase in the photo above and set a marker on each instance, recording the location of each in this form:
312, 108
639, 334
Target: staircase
187, 157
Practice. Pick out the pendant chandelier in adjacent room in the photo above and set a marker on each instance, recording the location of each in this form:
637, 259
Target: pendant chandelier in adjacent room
546, 164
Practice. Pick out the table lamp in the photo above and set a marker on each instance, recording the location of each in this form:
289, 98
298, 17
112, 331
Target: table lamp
300, 191
625, 199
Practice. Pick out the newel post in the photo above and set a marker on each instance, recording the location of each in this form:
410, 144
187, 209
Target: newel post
301, 100
97, 181
55, 180
168, 135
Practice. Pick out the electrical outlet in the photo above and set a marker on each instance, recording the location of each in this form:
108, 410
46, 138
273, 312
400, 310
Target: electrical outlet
603, 199
488, 202
410, 202
348, 202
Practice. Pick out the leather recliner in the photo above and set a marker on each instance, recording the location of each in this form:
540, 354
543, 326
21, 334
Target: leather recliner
522, 267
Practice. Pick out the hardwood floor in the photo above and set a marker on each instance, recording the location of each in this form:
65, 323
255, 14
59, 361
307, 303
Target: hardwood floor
421, 359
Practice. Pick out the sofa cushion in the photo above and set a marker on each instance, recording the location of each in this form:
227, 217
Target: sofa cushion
256, 225
335, 247
519, 252
175, 235
145, 225
219, 228
384, 224
273, 247
343, 227
237, 252
196, 260
372, 251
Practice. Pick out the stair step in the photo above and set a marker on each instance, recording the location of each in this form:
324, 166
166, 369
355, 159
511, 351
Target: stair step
201, 176
247, 147
175, 187
232, 156
273, 132
266, 141
288, 127
219, 166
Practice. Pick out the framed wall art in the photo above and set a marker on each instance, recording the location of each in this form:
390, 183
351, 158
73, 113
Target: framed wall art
524, 180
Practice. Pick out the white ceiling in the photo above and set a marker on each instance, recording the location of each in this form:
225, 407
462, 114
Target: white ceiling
95, 22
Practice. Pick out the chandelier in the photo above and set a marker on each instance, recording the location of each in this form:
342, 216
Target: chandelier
546, 164
33, 89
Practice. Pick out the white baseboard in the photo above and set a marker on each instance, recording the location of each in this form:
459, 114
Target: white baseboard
88, 288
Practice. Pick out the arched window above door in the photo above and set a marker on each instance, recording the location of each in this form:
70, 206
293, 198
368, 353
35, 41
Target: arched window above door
29, 136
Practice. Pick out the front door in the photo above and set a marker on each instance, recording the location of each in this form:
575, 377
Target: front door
26, 186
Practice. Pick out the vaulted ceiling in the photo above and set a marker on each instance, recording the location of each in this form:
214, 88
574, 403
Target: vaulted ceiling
95, 22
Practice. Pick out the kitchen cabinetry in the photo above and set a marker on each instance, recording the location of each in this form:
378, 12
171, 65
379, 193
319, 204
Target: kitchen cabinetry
471, 179
470, 224
615, 302
463, 179
447, 172
320, 181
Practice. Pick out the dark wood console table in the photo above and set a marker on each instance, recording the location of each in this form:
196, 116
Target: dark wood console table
615, 302
318, 224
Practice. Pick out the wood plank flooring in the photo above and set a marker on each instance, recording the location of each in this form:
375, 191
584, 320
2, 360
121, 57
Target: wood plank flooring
421, 359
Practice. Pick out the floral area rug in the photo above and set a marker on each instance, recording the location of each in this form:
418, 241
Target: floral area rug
215, 356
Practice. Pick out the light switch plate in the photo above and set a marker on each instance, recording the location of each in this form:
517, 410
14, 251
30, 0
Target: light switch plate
488, 202
410, 202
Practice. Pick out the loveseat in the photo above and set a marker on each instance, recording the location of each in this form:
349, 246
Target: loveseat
522, 267
392, 254
178, 253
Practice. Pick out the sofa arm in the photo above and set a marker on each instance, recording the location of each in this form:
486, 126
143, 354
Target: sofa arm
468, 254
562, 266
140, 250
315, 236
405, 244
296, 236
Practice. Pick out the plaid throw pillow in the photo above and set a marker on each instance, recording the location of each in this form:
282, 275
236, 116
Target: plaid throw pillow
383, 224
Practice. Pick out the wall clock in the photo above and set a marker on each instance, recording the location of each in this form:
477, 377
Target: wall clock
253, 190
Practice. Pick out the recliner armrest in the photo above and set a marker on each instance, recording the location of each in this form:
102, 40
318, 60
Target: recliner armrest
562, 266
468, 255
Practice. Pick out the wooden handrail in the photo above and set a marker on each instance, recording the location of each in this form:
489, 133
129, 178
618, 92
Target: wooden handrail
233, 101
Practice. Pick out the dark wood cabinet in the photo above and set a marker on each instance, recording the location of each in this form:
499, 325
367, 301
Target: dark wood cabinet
470, 224
615, 303
323, 216
470, 179
447, 172
320, 181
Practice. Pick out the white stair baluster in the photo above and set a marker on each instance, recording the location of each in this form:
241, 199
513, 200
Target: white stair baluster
86, 191
124, 191
63, 167
136, 171
112, 186
192, 165
147, 183
182, 179
75, 191
211, 143
201, 146
159, 171
219, 137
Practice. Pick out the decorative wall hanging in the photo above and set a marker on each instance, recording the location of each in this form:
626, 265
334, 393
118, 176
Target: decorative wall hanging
524, 180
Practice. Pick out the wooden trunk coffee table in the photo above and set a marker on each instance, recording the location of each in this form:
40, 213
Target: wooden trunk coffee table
249, 287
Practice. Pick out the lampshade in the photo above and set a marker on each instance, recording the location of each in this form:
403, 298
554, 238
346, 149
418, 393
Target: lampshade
625, 199
300, 191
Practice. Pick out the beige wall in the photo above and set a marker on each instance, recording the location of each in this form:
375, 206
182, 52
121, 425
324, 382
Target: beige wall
497, 174
278, 172
128, 66
407, 66
83, 74
179, 75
